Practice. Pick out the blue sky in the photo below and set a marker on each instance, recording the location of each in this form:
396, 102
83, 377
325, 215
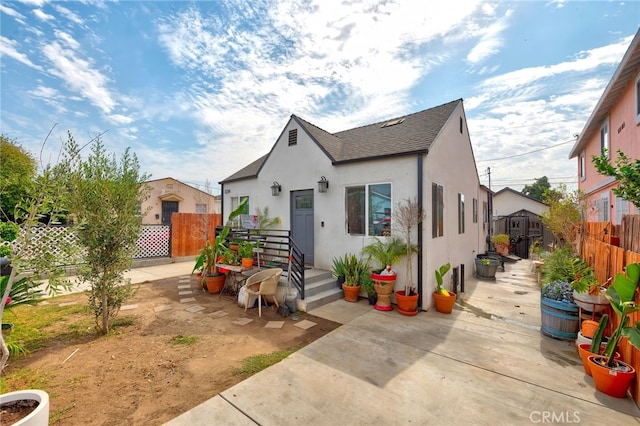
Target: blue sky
200, 89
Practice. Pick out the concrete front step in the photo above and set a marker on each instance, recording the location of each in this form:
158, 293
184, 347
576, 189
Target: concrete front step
320, 289
320, 299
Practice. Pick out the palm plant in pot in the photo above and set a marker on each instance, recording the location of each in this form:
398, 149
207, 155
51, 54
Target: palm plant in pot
385, 252
209, 254
612, 376
442, 298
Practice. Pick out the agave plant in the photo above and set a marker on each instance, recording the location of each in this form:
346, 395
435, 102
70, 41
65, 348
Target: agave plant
353, 269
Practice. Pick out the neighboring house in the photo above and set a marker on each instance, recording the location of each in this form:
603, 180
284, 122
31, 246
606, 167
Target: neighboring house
614, 125
336, 191
520, 216
169, 195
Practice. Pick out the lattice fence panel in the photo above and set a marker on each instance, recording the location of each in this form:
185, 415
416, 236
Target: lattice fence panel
154, 241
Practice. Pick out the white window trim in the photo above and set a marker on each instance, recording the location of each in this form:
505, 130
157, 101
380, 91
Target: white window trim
583, 165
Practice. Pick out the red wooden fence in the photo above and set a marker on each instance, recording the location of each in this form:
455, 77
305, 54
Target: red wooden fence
190, 230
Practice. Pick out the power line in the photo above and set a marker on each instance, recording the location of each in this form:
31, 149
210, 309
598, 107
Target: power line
526, 153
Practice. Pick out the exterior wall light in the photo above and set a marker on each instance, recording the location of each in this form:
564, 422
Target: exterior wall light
276, 189
323, 184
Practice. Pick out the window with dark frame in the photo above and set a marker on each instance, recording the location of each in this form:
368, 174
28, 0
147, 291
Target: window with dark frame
368, 209
475, 210
460, 213
437, 210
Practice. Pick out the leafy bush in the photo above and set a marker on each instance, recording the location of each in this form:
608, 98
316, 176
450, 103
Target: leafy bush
564, 265
8, 231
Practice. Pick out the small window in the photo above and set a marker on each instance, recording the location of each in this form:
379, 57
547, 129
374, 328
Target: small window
583, 165
304, 201
293, 137
461, 125
201, 208
604, 138
602, 205
475, 210
393, 122
460, 213
437, 210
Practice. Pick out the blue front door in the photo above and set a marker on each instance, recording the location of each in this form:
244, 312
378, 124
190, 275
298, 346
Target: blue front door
302, 222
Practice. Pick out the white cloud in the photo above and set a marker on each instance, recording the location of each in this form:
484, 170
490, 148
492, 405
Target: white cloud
68, 14
11, 12
8, 48
79, 74
43, 16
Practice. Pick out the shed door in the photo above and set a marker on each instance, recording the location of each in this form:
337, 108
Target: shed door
168, 208
302, 222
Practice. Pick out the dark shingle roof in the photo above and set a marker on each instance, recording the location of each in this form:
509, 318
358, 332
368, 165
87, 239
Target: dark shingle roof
415, 133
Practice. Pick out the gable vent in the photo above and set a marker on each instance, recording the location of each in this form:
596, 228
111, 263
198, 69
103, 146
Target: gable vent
293, 137
393, 122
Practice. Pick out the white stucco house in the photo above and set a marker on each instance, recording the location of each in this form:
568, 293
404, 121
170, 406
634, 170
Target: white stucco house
366, 171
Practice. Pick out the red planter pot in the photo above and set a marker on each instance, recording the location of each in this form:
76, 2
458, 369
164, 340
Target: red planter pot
611, 382
215, 284
444, 304
384, 286
407, 305
583, 350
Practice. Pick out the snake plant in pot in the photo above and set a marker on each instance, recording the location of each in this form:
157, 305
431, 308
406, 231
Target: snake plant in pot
612, 376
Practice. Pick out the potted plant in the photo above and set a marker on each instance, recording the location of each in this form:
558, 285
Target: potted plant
367, 284
353, 269
442, 298
588, 293
337, 269
610, 376
501, 242
558, 312
407, 215
385, 253
209, 254
486, 268
245, 251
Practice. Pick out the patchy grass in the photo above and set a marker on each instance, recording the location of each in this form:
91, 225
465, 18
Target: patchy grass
25, 378
183, 340
122, 322
257, 363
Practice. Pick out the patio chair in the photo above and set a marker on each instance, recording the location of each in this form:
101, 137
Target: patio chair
263, 284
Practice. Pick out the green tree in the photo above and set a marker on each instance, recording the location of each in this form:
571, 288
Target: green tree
538, 188
565, 214
625, 171
107, 194
33, 252
17, 171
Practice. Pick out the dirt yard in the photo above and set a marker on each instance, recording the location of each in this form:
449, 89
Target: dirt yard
136, 377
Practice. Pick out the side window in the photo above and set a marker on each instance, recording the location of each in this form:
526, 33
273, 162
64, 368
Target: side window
437, 210
460, 213
604, 138
368, 209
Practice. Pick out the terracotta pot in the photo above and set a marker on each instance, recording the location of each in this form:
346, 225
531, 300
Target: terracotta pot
215, 283
588, 328
444, 304
583, 350
384, 286
611, 382
502, 250
407, 305
247, 262
351, 292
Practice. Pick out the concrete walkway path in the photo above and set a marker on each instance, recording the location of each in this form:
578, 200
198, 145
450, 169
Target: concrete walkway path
486, 363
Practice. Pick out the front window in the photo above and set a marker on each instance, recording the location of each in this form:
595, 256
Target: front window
201, 208
368, 209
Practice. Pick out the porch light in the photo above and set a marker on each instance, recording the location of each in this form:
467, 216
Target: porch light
275, 189
323, 184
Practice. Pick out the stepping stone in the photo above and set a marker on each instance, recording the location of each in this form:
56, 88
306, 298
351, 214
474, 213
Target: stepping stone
162, 308
68, 304
305, 324
183, 281
195, 308
188, 299
185, 277
128, 307
184, 293
241, 321
219, 314
274, 324
184, 286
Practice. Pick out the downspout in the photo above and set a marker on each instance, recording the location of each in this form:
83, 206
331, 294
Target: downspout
222, 204
419, 268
